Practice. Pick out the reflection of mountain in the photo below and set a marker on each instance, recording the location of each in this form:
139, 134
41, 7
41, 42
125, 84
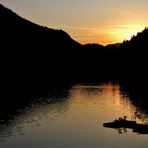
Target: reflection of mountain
138, 95
17, 105
24, 114
32, 109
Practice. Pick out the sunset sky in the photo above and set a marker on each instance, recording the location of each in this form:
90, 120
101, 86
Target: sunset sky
87, 21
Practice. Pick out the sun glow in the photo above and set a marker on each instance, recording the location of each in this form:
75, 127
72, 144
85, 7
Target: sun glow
124, 32
104, 22
106, 34
129, 35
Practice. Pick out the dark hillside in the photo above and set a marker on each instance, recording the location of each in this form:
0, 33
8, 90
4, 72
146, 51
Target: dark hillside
32, 54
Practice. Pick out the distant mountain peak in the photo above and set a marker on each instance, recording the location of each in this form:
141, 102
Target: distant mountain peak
113, 46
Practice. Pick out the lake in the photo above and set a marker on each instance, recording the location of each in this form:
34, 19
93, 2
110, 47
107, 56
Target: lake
73, 118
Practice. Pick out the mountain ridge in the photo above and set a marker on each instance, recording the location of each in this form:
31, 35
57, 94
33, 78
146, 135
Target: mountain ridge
22, 25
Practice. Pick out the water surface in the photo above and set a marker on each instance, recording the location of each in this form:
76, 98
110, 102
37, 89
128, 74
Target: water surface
73, 119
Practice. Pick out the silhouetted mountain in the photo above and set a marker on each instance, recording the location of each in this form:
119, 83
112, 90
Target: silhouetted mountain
115, 46
137, 43
133, 55
32, 54
13, 25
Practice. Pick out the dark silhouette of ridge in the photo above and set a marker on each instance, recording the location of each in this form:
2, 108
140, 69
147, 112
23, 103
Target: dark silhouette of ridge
135, 52
115, 46
137, 42
31, 53
16, 24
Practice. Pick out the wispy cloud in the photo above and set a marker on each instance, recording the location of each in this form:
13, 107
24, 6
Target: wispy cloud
133, 13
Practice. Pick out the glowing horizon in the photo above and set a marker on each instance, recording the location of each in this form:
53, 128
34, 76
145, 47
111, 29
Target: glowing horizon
90, 21
113, 35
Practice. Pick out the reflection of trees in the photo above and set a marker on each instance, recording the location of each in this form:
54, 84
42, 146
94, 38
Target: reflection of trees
121, 130
138, 96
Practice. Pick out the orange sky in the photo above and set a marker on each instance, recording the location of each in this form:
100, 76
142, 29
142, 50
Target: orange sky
87, 21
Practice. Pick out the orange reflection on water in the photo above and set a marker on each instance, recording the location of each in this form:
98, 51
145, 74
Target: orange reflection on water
106, 100
75, 120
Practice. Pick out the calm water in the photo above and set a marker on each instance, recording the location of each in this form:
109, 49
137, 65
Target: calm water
73, 119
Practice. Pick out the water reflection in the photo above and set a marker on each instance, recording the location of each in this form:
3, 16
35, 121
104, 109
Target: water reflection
138, 97
72, 116
125, 131
14, 117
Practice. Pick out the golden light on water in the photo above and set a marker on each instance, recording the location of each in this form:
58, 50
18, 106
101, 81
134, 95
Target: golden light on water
106, 97
77, 118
